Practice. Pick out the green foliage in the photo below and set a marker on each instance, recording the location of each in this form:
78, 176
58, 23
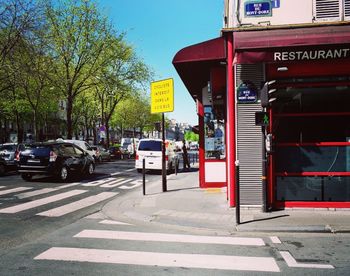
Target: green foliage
68, 50
191, 136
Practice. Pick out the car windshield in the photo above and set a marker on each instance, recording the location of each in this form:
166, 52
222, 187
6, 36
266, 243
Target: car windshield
150, 146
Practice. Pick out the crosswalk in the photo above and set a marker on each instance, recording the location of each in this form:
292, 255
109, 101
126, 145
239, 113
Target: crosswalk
152, 256
80, 194
214, 254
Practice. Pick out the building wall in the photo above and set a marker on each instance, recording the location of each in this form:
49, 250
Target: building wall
284, 12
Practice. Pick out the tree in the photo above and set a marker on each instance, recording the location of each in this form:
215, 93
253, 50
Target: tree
120, 79
16, 18
191, 136
133, 112
79, 39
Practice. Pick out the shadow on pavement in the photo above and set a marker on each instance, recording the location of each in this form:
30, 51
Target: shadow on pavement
264, 219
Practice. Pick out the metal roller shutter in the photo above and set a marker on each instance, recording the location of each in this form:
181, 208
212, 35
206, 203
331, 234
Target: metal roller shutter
249, 139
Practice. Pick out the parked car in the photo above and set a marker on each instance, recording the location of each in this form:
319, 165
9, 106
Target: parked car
101, 153
125, 150
58, 159
8, 152
151, 151
84, 145
115, 152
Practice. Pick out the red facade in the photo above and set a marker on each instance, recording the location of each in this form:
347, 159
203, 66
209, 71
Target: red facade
309, 122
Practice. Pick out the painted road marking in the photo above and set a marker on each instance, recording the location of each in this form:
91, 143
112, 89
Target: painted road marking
275, 239
98, 182
140, 236
116, 183
111, 222
2, 187
40, 202
14, 190
67, 185
77, 205
266, 264
116, 173
291, 262
130, 170
35, 193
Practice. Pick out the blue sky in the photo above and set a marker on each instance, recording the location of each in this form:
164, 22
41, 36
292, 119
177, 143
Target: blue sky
158, 29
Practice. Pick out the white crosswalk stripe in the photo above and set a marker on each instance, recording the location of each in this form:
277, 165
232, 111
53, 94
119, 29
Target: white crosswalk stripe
113, 222
140, 236
35, 193
267, 264
77, 205
14, 190
40, 202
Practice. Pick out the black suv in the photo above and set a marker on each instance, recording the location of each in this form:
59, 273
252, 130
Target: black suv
58, 159
8, 152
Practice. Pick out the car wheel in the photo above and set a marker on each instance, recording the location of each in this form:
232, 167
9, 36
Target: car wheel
90, 169
139, 170
2, 169
26, 176
63, 174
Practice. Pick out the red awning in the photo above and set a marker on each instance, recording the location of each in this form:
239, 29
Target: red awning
256, 46
193, 63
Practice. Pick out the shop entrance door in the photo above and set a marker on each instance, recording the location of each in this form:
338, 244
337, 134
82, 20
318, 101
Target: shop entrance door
311, 130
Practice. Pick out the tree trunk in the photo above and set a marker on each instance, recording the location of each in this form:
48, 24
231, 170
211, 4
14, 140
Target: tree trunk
69, 118
107, 133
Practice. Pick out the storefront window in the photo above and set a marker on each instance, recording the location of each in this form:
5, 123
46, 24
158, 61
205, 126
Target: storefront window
214, 132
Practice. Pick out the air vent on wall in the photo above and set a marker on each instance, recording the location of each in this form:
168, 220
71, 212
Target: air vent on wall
327, 10
347, 9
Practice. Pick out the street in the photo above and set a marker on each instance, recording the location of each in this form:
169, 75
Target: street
50, 228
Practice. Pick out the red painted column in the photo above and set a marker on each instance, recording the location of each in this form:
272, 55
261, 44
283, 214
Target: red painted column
271, 176
200, 112
230, 123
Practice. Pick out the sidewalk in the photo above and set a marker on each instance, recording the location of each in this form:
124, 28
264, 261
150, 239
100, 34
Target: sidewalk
185, 205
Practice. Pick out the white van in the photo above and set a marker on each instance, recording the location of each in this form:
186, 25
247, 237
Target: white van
151, 151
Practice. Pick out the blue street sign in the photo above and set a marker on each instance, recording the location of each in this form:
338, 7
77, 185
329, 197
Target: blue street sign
246, 93
257, 9
275, 4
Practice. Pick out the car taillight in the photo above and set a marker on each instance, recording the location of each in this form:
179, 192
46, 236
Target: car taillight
17, 156
137, 157
53, 156
166, 157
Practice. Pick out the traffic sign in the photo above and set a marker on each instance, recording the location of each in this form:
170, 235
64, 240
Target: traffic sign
162, 96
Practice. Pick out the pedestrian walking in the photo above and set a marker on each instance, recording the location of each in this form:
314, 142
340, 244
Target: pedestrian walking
185, 156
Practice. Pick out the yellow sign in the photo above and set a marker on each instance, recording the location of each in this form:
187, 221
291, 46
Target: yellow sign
162, 96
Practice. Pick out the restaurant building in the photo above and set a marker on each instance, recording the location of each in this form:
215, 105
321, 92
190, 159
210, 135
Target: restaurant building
273, 103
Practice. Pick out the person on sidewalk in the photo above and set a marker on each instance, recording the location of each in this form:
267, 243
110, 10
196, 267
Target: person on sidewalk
185, 156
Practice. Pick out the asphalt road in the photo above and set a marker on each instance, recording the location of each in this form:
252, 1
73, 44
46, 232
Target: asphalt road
49, 228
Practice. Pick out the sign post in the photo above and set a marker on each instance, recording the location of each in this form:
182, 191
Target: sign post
162, 100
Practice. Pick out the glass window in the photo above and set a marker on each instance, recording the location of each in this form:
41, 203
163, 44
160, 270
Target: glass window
150, 146
68, 150
78, 151
214, 135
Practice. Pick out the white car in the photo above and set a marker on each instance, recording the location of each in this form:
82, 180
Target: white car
151, 151
85, 146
